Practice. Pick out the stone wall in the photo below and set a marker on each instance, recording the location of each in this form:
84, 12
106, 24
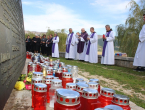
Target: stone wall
119, 61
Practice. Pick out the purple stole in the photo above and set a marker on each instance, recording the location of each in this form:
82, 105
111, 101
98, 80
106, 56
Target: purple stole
53, 46
80, 46
105, 44
88, 49
69, 43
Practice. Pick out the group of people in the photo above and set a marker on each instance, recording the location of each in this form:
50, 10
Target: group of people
84, 47
45, 46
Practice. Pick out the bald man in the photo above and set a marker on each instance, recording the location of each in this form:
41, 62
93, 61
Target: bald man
108, 48
82, 45
70, 45
92, 47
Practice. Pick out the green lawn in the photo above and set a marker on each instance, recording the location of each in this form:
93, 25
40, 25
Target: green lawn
132, 79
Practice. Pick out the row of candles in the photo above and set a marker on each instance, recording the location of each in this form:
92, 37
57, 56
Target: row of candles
56, 83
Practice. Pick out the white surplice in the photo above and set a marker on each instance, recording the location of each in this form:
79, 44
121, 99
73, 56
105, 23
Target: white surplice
76, 47
93, 54
108, 58
56, 49
72, 50
83, 54
139, 59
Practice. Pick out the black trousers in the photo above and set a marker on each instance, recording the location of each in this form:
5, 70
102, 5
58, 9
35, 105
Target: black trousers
43, 49
28, 47
49, 51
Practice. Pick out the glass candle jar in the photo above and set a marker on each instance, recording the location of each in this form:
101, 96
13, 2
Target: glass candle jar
34, 80
96, 81
122, 101
89, 99
40, 93
94, 85
106, 96
58, 73
113, 107
71, 86
48, 83
66, 78
79, 80
37, 75
55, 84
67, 100
29, 67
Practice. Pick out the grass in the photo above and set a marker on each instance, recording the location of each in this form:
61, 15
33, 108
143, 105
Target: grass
133, 80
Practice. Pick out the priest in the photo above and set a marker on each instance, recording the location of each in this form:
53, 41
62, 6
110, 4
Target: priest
70, 45
82, 45
55, 49
108, 47
92, 47
139, 59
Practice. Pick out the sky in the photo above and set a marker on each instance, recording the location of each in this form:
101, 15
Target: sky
39, 15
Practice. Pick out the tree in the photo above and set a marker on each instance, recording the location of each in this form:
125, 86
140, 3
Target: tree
128, 33
30, 34
62, 37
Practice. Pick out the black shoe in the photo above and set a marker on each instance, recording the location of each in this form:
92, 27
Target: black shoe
139, 69
143, 69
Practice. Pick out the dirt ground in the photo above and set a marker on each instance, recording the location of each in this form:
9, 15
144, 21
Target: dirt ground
21, 100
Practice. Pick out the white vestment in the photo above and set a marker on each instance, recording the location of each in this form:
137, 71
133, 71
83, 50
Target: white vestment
93, 53
76, 47
56, 49
83, 54
72, 51
139, 59
108, 58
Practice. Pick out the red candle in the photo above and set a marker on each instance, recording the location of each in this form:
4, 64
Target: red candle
58, 73
89, 99
106, 96
67, 100
37, 75
122, 101
94, 85
67, 78
27, 55
29, 66
65, 69
103, 36
48, 83
71, 86
34, 80
37, 66
96, 81
49, 72
40, 93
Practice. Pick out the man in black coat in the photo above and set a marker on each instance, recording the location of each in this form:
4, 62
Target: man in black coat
28, 43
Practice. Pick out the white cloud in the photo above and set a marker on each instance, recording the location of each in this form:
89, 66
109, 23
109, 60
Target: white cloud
26, 3
111, 6
57, 17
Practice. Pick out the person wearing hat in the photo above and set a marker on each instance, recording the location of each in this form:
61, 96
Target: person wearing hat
43, 42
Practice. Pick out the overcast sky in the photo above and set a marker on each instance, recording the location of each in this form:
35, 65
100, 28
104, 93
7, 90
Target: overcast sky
76, 14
